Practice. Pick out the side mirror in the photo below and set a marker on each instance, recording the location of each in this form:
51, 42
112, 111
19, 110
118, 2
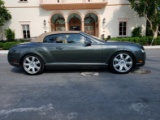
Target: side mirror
87, 43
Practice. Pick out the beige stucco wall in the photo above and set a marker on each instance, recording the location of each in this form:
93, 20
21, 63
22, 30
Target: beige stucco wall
31, 13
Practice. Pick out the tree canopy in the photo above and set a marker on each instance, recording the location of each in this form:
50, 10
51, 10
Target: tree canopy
150, 9
4, 14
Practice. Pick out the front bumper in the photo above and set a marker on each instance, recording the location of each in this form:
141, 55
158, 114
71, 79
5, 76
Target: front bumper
141, 58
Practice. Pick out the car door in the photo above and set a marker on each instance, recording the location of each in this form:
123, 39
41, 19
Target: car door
71, 49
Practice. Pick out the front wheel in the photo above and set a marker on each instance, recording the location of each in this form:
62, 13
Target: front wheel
122, 62
32, 65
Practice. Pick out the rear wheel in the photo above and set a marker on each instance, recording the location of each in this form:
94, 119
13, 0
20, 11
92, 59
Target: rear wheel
32, 65
122, 62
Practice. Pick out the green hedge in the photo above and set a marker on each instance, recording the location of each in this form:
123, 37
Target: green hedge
140, 40
7, 45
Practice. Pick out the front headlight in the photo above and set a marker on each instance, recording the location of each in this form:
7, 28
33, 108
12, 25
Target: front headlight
142, 51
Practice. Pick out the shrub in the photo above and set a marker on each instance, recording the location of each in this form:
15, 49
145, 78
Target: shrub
148, 30
140, 40
157, 41
8, 45
10, 34
5, 44
137, 32
23, 40
2, 41
1, 45
108, 37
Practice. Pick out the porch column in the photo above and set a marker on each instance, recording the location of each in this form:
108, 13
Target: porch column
99, 28
83, 26
82, 23
66, 23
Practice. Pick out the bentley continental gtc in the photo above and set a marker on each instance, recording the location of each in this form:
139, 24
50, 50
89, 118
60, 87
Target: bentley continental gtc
75, 49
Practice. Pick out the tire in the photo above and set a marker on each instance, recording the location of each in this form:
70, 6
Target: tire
121, 62
32, 65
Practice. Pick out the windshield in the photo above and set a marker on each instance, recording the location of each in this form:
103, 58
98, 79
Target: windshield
94, 37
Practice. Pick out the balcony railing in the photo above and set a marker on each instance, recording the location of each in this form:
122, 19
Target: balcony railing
72, 4
71, 1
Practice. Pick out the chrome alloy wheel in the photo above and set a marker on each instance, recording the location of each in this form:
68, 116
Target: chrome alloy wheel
122, 62
32, 65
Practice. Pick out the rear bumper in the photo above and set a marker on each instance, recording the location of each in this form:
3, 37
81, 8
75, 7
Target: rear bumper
13, 59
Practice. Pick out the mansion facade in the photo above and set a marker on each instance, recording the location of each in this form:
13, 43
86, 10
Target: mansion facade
100, 18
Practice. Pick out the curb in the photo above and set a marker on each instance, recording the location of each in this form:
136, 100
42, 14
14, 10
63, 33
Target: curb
152, 47
146, 47
3, 51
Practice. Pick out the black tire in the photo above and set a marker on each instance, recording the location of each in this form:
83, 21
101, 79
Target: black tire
121, 62
32, 65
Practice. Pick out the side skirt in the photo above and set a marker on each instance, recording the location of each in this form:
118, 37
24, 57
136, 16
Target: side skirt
75, 66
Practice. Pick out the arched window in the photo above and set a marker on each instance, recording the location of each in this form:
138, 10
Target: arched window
60, 24
89, 25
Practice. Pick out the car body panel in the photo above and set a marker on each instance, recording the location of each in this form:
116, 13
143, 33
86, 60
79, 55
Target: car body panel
75, 53
98, 53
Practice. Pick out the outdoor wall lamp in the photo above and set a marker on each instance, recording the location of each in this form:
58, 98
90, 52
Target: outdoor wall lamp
104, 21
44, 23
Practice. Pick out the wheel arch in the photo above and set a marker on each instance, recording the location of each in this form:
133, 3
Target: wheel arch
121, 71
32, 53
126, 51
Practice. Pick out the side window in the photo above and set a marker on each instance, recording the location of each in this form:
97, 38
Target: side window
49, 39
66, 39
89, 40
75, 38
55, 38
59, 39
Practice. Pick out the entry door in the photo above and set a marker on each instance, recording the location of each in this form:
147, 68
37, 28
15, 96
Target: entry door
74, 28
77, 53
75, 24
74, 51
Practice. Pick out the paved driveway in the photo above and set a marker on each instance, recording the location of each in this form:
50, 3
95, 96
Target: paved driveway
67, 95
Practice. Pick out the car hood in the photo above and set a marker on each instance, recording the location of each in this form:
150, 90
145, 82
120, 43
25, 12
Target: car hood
123, 43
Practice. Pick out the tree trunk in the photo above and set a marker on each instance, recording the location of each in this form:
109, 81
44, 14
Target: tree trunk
1, 32
155, 34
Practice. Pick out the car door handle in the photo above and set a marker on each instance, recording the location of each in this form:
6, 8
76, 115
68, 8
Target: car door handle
59, 48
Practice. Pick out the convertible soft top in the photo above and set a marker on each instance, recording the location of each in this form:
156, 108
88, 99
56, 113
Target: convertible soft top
42, 36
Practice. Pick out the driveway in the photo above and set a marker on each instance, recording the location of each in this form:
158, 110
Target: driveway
68, 95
